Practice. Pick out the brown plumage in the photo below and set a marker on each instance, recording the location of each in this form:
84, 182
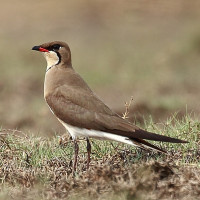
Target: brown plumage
75, 105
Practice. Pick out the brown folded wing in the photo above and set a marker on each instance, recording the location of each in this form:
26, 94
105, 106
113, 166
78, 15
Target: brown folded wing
83, 109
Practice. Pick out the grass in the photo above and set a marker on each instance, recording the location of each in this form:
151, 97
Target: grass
44, 165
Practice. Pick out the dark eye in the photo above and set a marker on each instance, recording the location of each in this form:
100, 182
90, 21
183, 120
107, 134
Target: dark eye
56, 47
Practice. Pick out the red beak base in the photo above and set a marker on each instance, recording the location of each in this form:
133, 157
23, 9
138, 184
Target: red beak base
38, 48
43, 50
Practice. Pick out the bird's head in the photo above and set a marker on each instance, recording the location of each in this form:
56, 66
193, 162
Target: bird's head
55, 53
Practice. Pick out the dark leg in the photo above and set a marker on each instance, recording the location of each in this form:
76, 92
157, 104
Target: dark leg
88, 152
76, 148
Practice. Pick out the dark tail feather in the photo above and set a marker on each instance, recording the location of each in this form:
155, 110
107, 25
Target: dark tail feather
153, 136
148, 145
142, 134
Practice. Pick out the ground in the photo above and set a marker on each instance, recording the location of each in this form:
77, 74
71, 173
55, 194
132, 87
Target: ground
42, 166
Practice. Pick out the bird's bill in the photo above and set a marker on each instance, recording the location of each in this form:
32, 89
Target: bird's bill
38, 48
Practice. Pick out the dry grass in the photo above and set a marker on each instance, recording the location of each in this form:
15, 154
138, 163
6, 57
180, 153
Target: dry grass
109, 179
151, 180
41, 168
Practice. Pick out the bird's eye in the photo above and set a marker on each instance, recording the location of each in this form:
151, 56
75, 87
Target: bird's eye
56, 47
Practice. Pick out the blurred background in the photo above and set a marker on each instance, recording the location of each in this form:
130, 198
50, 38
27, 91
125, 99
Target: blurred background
147, 49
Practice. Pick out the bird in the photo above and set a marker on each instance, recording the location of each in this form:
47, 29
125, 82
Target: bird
80, 110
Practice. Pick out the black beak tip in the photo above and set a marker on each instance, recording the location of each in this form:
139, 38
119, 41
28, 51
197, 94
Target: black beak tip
36, 48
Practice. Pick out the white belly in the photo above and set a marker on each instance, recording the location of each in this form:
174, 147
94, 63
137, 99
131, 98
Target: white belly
83, 132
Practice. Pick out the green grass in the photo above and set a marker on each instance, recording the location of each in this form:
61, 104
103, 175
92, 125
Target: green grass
44, 165
39, 149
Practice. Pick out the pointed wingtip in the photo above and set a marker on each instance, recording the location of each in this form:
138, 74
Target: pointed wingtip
143, 144
162, 138
174, 140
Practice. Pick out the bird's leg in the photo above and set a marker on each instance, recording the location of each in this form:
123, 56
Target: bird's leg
76, 148
88, 152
